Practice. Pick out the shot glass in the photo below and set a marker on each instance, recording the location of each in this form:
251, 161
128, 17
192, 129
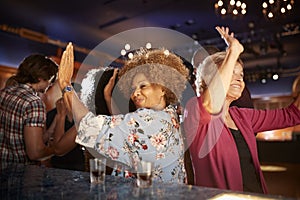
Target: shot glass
97, 170
144, 174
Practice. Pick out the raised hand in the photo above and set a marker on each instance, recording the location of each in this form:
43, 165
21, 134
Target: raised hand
108, 91
229, 39
66, 67
110, 85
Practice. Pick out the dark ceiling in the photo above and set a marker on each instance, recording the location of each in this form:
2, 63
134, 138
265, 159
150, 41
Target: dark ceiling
49, 25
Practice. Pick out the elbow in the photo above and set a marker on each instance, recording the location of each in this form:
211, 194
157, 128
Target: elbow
40, 153
212, 105
212, 109
33, 156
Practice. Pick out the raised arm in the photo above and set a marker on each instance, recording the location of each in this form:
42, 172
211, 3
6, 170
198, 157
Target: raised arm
215, 94
111, 106
65, 74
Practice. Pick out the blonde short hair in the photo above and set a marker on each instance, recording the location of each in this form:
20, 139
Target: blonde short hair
207, 70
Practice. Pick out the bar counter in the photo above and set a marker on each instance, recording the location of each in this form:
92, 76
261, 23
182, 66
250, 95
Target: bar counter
38, 182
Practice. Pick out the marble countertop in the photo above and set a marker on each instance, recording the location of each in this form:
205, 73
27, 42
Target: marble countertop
35, 182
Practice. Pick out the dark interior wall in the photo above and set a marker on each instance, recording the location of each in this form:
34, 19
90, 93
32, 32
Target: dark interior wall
283, 154
277, 151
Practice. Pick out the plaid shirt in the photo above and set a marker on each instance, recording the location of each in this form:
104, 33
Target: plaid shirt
20, 106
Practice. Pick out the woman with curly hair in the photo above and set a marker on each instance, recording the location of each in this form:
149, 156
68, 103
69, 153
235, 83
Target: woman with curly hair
154, 81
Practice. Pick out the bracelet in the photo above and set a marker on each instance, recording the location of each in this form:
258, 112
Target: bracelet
68, 88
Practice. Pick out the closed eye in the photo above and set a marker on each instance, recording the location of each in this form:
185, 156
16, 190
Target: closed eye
140, 86
239, 74
143, 86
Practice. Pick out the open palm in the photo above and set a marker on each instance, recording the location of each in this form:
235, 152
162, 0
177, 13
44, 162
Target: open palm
229, 39
66, 67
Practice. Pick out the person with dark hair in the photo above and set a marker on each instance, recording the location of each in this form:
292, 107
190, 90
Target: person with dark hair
222, 138
73, 156
11, 81
23, 113
38, 70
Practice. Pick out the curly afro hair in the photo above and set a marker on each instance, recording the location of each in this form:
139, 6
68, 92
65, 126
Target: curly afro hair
160, 67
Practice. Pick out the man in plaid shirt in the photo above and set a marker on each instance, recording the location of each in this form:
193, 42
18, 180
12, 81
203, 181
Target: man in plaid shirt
23, 113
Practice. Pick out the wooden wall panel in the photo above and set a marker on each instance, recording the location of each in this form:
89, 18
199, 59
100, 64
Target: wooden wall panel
5, 73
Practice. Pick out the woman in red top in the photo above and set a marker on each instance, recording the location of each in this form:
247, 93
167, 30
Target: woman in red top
222, 138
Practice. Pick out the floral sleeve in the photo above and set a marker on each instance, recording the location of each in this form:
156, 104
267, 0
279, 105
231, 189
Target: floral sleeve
88, 130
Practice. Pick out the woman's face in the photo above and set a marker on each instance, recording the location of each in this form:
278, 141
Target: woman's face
237, 84
147, 95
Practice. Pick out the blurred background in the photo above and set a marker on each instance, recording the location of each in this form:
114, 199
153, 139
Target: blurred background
269, 31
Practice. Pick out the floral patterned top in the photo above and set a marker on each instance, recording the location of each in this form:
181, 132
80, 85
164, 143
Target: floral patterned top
145, 134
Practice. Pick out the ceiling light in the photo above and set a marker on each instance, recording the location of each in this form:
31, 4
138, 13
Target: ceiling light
190, 22
230, 8
275, 76
123, 52
127, 47
148, 45
263, 80
272, 168
276, 8
130, 55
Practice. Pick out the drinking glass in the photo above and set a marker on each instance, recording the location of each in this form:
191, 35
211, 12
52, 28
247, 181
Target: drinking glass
97, 170
144, 174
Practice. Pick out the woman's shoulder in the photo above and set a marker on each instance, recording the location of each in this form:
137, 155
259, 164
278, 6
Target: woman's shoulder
244, 113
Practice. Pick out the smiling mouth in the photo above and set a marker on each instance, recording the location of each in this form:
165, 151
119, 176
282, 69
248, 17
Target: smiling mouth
236, 86
138, 101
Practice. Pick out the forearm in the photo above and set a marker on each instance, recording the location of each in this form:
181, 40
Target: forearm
66, 143
75, 106
109, 102
112, 107
42, 153
59, 129
215, 94
65, 74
